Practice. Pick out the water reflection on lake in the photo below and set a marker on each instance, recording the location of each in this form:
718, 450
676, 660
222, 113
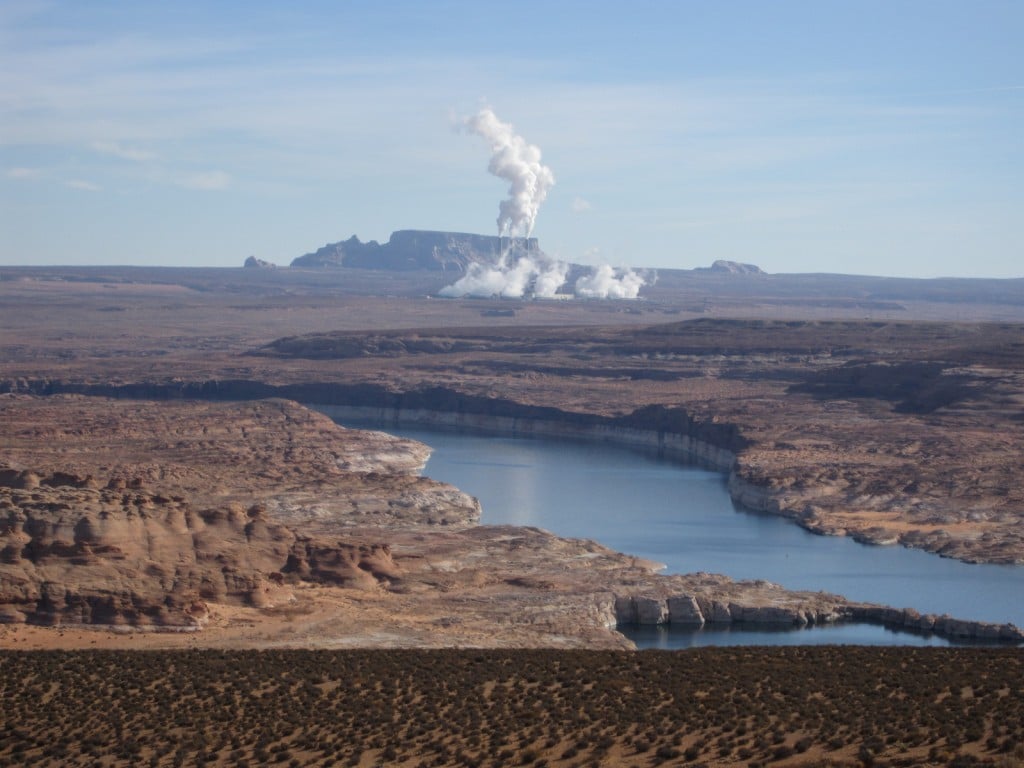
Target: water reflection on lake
683, 517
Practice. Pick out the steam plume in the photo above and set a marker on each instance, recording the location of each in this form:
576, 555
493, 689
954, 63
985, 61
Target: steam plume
518, 273
518, 163
605, 282
512, 280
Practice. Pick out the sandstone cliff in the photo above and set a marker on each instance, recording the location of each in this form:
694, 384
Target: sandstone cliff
72, 554
265, 523
883, 431
147, 514
413, 249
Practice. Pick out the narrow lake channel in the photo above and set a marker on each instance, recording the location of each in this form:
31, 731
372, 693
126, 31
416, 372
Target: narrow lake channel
682, 516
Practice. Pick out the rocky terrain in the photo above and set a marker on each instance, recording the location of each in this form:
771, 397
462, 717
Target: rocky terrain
141, 407
888, 432
166, 515
413, 249
119, 513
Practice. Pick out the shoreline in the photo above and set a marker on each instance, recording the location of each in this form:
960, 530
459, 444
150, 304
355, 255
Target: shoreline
637, 610
689, 451
711, 444
669, 431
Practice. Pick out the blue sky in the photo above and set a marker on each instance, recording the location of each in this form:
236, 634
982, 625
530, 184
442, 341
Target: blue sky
853, 137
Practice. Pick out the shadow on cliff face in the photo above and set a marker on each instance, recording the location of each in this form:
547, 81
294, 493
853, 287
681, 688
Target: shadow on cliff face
916, 387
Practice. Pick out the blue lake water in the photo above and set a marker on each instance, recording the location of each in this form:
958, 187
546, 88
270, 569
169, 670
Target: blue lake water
682, 516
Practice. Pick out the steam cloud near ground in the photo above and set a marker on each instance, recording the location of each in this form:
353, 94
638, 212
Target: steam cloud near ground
516, 275
605, 282
542, 278
510, 279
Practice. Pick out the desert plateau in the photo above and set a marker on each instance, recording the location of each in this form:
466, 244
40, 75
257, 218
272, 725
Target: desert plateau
465, 384
175, 495
186, 410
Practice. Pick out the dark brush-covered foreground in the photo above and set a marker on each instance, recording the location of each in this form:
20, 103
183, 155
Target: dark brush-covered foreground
735, 706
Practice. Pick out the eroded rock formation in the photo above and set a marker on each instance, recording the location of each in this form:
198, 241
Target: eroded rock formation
126, 513
412, 249
891, 432
170, 515
723, 266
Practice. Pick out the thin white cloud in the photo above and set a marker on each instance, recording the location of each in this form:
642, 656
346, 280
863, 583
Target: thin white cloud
23, 173
88, 186
701, 162
208, 180
125, 153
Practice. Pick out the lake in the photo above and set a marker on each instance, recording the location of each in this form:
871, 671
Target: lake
682, 516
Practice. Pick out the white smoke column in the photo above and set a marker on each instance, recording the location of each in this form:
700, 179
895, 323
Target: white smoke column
518, 163
550, 277
605, 282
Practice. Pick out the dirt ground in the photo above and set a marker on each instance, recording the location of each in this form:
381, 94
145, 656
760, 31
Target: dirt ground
721, 707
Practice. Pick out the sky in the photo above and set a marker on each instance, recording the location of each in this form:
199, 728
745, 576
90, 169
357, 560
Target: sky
822, 136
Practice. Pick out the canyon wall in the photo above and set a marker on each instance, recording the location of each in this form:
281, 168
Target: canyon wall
680, 446
672, 430
697, 610
669, 430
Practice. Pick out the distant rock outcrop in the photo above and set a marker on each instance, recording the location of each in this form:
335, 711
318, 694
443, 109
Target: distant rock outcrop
414, 249
253, 263
732, 268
